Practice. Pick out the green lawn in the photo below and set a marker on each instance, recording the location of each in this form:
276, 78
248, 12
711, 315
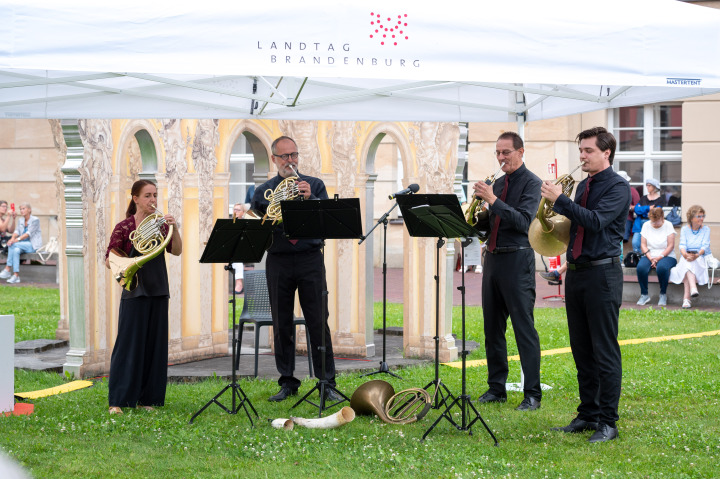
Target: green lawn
668, 421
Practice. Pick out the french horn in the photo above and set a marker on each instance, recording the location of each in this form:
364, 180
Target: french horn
475, 209
378, 397
149, 241
286, 190
549, 232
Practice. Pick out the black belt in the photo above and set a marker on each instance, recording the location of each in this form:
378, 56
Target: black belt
590, 264
507, 249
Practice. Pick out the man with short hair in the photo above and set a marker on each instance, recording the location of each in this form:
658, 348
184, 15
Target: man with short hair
296, 265
593, 290
508, 285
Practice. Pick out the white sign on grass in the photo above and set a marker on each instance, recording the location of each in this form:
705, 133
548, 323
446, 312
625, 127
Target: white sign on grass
7, 363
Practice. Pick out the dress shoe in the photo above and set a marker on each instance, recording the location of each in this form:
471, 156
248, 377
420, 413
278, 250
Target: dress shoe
283, 394
490, 397
332, 396
528, 404
577, 425
604, 433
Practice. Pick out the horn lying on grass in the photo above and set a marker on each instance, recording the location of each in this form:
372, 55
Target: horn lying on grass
343, 416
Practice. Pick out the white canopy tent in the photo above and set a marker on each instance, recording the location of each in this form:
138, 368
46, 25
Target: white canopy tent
328, 60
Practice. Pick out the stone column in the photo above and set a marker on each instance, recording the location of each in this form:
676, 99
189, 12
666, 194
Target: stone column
74, 288
370, 265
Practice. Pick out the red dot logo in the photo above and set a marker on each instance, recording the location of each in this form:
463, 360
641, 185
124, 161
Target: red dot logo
378, 28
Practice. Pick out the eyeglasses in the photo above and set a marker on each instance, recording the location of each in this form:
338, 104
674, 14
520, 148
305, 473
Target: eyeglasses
287, 156
700, 216
504, 152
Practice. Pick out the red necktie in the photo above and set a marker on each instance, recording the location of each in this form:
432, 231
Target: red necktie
577, 245
493, 235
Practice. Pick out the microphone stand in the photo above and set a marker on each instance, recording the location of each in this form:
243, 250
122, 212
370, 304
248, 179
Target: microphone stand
384, 220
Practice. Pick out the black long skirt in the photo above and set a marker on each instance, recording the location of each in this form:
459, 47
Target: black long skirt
138, 365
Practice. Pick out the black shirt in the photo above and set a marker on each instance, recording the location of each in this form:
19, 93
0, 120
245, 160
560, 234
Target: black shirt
518, 209
281, 244
603, 218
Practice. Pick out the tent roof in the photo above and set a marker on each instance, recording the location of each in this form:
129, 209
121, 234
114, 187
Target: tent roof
328, 61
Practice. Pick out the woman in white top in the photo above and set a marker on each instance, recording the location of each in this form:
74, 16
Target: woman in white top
657, 247
694, 245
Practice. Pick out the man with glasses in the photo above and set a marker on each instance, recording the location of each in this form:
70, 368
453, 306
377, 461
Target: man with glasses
295, 265
508, 284
593, 290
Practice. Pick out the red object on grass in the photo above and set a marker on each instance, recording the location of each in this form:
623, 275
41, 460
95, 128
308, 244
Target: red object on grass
21, 409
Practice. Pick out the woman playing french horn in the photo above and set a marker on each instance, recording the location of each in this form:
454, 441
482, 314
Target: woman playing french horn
138, 365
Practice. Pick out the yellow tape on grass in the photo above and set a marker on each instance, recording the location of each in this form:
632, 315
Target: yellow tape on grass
65, 388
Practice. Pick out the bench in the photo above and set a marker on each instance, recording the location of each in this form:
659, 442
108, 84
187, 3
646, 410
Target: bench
38, 273
631, 290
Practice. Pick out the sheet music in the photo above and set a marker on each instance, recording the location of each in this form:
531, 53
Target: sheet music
473, 252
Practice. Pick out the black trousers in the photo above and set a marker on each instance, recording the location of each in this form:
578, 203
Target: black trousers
508, 289
304, 273
138, 365
593, 297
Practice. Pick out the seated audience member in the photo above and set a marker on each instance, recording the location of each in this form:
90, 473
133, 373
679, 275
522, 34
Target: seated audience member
634, 199
692, 270
7, 221
26, 239
657, 250
646, 203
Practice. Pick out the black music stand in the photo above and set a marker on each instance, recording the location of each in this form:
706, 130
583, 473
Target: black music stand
443, 215
383, 364
235, 241
337, 218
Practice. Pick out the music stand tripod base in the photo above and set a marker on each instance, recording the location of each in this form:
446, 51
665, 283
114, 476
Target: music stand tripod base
441, 216
235, 241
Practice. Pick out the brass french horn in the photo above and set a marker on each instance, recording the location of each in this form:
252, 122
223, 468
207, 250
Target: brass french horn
148, 240
378, 397
286, 190
475, 209
549, 232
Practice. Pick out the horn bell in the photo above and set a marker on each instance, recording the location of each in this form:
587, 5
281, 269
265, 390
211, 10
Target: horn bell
552, 241
371, 397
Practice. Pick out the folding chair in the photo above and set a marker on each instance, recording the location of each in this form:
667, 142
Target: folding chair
256, 310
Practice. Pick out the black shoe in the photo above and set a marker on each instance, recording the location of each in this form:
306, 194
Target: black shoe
490, 397
283, 394
577, 425
604, 433
332, 396
528, 404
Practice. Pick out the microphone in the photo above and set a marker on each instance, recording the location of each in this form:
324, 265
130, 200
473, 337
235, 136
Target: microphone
409, 190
